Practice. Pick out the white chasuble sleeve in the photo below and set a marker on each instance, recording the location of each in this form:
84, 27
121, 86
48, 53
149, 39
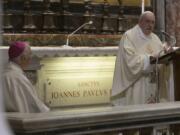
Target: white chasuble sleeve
129, 66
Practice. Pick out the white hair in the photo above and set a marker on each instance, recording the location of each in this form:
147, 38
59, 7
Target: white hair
144, 14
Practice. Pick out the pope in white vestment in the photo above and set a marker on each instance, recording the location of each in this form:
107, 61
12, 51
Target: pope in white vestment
134, 77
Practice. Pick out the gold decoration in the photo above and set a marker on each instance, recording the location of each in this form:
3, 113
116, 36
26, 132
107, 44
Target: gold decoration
115, 2
149, 49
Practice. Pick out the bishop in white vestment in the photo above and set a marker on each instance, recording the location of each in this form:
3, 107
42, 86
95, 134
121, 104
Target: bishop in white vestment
19, 93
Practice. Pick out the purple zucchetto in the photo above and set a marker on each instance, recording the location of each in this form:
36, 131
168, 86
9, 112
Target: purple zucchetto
16, 49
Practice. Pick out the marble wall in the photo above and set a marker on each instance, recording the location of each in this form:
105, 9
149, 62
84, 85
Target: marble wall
173, 19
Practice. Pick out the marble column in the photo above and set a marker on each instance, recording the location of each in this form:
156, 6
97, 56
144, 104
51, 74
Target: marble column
160, 16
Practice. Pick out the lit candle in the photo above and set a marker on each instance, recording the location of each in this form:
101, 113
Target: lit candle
142, 6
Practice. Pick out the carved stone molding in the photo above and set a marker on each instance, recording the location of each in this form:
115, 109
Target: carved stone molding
95, 120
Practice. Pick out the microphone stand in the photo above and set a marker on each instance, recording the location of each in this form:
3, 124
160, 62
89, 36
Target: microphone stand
157, 77
67, 40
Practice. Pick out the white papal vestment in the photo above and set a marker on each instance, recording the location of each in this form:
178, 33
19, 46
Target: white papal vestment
19, 93
134, 77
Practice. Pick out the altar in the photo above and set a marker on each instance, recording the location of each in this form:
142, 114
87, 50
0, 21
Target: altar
54, 69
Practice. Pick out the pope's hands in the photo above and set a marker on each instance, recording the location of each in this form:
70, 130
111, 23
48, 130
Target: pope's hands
167, 47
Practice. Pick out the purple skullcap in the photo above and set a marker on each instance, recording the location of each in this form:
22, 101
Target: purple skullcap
16, 49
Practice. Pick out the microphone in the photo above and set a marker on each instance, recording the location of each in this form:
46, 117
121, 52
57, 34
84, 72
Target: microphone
171, 38
87, 23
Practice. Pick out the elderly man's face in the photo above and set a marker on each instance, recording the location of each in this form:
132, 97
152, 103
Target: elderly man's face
147, 23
